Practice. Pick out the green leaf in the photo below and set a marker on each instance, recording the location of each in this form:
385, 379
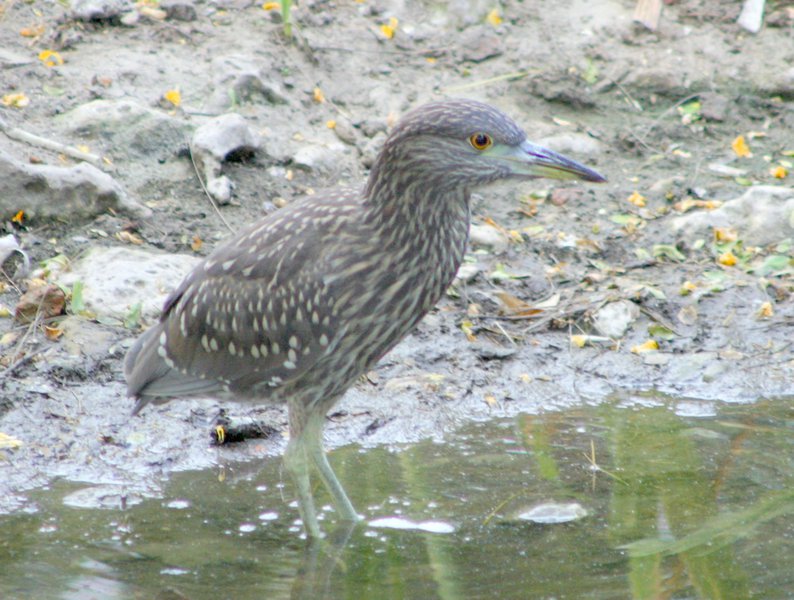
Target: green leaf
661, 332
132, 320
716, 280
77, 303
668, 251
775, 264
624, 219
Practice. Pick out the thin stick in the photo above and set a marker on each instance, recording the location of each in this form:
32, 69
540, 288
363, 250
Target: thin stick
206, 191
36, 140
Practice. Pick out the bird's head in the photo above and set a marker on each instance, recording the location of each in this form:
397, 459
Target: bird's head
463, 143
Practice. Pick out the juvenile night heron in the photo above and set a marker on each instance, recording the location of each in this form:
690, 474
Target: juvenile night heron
296, 306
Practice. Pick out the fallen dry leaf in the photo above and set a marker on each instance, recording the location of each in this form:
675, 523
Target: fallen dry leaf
725, 234
48, 300
173, 96
388, 29
647, 346
494, 18
15, 100
740, 147
766, 311
637, 199
727, 259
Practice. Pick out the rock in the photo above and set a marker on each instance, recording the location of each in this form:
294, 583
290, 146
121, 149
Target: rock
216, 141
371, 149
490, 237
763, 215
345, 131
179, 10
63, 193
220, 189
577, 144
8, 58
115, 279
714, 107
479, 43
224, 137
562, 196
245, 81
129, 125
614, 319
553, 512
323, 158
468, 271
100, 10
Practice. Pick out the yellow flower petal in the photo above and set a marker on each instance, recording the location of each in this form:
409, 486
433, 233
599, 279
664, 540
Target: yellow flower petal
740, 147
765, 311
318, 95
637, 199
330, 124
16, 100
50, 58
727, 259
648, 346
725, 234
579, 340
270, 5
778, 172
388, 29
494, 18
174, 97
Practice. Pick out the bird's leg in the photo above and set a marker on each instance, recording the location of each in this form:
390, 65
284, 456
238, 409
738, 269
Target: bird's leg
296, 460
314, 448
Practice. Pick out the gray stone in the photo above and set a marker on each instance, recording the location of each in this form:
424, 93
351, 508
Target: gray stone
130, 126
115, 279
763, 215
224, 136
576, 144
489, 237
220, 188
214, 142
479, 43
240, 79
614, 319
345, 131
324, 158
50, 192
100, 10
179, 10
371, 149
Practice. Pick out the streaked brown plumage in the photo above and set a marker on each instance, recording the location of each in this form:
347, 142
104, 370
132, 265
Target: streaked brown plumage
293, 308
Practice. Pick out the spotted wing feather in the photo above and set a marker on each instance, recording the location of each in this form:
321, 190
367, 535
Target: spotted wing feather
254, 316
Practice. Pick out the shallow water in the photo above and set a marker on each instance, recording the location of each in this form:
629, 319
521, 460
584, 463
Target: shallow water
647, 498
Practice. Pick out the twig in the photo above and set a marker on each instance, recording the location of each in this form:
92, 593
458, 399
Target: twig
20, 135
206, 191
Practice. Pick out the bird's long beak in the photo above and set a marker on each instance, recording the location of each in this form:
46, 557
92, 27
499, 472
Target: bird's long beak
531, 160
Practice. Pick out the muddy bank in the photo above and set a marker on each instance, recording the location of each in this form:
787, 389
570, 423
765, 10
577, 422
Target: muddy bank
669, 277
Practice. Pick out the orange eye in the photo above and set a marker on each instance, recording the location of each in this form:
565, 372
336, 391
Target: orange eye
480, 141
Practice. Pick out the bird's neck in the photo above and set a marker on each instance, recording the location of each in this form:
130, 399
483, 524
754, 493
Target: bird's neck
424, 223
418, 207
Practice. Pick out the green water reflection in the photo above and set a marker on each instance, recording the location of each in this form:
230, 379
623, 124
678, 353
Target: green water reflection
677, 508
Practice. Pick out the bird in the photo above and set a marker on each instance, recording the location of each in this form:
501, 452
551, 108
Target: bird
293, 308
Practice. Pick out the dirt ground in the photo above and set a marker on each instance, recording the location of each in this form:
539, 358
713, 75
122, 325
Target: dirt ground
658, 113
